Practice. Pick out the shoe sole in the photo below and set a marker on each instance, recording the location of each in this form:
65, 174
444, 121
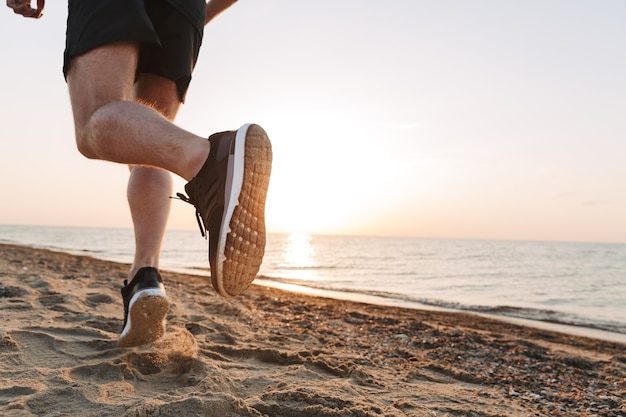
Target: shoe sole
146, 318
241, 243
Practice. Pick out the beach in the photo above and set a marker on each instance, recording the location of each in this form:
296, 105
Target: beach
275, 353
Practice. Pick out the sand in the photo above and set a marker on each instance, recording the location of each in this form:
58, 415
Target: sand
276, 353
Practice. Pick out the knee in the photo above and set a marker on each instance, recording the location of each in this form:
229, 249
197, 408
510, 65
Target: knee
83, 146
89, 134
85, 140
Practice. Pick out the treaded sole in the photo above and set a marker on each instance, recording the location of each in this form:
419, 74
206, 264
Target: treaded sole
245, 240
146, 321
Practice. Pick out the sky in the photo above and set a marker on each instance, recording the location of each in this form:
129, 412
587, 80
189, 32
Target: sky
485, 119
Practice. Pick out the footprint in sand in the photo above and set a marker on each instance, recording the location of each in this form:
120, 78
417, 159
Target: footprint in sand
14, 298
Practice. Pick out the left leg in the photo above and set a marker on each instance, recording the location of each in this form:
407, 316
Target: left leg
149, 189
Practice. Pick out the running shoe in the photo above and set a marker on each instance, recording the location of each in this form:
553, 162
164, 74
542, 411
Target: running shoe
145, 308
229, 196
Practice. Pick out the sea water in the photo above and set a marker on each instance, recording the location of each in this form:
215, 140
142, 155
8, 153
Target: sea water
577, 284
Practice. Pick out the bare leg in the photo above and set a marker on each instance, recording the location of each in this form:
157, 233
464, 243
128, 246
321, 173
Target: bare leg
111, 126
148, 193
149, 188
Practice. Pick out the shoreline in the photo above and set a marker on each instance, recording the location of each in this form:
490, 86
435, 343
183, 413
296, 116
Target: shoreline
277, 353
606, 323
566, 328
569, 329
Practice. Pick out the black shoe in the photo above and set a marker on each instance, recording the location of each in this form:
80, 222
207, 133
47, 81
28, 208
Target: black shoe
229, 196
145, 308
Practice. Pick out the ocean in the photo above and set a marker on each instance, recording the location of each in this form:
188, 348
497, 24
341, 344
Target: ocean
578, 288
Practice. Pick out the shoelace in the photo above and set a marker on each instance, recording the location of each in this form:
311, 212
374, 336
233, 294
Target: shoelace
183, 197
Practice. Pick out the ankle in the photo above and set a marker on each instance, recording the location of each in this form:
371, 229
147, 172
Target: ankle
197, 158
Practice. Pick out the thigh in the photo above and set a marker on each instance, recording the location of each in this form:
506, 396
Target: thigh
100, 76
159, 93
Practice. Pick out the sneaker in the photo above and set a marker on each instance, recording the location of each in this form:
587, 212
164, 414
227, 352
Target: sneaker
229, 196
145, 307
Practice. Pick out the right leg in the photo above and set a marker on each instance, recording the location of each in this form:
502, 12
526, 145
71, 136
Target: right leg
111, 126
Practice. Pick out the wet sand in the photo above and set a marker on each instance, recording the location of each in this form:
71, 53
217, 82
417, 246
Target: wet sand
275, 353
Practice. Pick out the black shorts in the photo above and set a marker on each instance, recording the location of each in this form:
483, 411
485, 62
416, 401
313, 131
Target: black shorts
169, 42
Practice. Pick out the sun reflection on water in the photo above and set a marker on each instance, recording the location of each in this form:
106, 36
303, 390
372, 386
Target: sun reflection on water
298, 253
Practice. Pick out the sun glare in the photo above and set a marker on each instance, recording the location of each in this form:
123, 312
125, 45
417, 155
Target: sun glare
298, 251
320, 176
299, 254
341, 167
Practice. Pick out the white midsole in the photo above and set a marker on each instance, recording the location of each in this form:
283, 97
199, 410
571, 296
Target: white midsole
234, 182
148, 292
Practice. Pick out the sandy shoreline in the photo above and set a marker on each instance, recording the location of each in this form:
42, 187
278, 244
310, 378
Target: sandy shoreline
589, 332
275, 353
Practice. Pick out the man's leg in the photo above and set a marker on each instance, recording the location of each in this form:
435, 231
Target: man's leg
111, 126
148, 193
149, 188
227, 187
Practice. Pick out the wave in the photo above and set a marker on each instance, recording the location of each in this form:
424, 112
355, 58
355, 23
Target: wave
404, 300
